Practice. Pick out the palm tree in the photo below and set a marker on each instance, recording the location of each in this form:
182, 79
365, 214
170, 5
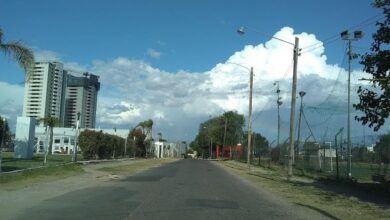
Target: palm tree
147, 127
21, 54
50, 122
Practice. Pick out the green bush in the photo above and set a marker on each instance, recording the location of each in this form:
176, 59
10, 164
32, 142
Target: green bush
97, 145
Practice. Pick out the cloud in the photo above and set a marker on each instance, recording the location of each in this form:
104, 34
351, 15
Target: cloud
162, 43
133, 90
74, 67
184, 97
46, 55
11, 103
153, 53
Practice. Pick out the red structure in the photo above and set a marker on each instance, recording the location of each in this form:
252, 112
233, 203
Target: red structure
227, 151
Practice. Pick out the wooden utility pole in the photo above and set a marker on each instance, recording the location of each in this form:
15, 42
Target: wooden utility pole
292, 112
250, 118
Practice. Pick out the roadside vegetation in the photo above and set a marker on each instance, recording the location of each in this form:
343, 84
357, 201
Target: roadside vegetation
9, 163
332, 200
49, 173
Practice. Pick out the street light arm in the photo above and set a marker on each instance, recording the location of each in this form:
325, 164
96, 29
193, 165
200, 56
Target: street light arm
239, 65
241, 30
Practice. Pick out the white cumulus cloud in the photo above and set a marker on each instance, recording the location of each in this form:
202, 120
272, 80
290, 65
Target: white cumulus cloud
154, 53
133, 90
161, 95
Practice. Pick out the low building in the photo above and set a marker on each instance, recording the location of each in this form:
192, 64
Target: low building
164, 149
64, 138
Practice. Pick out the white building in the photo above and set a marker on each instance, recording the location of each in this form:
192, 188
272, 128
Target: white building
81, 96
63, 140
371, 148
162, 149
44, 92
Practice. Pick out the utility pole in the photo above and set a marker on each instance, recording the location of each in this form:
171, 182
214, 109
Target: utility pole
301, 94
224, 134
113, 153
3, 136
337, 151
76, 138
349, 164
211, 148
250, 118
241, 31
134, 146
124, 152
47, 132
345, 36
292, 113
279, 103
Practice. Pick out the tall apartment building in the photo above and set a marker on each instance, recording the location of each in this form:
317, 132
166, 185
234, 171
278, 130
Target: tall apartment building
44, 93
81, 96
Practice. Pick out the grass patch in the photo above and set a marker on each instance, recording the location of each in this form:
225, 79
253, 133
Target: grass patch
304, 192
9, 163
362, 172
49, 173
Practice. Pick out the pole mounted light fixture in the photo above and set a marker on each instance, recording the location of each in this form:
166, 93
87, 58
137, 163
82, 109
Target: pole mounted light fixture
356, 35
241, 30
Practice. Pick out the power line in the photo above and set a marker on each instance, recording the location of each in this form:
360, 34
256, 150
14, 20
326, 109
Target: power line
259, 113
331, 93
333, 38
308, 126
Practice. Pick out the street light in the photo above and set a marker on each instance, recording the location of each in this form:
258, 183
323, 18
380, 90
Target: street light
345, 36
241, 31
250, 111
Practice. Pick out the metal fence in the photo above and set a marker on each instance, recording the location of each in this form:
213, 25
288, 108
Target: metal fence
322, 160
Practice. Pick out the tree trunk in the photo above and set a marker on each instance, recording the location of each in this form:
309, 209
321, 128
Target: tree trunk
51, 141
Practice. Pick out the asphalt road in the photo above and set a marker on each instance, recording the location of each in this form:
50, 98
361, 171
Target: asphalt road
185, 189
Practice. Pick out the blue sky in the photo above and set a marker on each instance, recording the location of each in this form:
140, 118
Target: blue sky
171, 36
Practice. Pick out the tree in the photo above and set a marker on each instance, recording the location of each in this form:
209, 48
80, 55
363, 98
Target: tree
260, 144
361, 154
136, 138
375, 102
50, 122
21, 54
382, 148
89, 142
213, 131
147, 128
5, 135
